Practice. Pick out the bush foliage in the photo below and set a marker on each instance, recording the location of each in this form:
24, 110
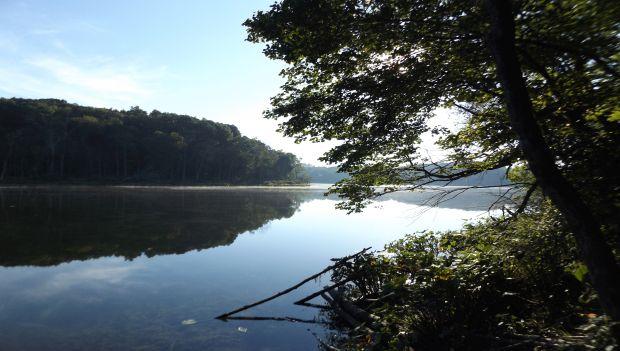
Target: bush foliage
514, 283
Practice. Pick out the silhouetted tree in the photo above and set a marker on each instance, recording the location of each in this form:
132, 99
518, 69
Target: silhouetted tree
534, 82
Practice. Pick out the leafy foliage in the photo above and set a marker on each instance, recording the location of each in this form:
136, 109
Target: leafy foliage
371, 73
517, 285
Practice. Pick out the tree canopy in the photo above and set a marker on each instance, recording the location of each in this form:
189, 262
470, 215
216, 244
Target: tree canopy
516, 74
371, 74
52, 140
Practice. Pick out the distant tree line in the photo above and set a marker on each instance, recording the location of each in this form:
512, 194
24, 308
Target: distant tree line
52, 140
331, 175
317, 174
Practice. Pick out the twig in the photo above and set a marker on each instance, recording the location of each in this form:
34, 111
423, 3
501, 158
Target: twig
526, 198
501, 197
313, 305
373, 302
318, 293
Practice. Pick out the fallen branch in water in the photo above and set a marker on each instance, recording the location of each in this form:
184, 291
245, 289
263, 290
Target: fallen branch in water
283, 319
304, 301
341, 312
352, 309
313, 305
338, 263
335, 301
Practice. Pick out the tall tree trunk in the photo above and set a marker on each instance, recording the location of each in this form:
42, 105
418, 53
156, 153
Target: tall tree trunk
199, 169
51, 166
100, 165
62, 162
184, 171
5, 164
125, 160
118, 163
22, 173
63, 155
596, 253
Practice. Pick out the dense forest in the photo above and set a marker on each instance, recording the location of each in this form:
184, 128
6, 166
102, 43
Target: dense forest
52, 140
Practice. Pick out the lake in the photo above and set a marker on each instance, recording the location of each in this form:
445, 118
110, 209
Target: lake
148, 268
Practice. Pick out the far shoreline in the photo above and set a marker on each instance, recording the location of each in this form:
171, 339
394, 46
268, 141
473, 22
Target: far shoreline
69, 185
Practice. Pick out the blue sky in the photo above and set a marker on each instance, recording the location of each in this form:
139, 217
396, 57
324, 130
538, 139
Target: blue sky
186, 57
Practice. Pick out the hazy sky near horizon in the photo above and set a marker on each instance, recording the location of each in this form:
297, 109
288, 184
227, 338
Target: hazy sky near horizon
187, 57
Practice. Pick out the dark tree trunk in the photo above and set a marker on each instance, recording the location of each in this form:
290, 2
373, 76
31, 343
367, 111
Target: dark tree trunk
5, 164
62, 161
184, 171
125, 161
118, 163
100, 166
52, 165
596, 253
199, 168
22, 173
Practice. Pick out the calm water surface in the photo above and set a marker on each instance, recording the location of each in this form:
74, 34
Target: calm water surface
112, 268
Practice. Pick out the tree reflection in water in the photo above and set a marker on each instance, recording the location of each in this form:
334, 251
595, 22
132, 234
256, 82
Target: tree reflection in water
49, 226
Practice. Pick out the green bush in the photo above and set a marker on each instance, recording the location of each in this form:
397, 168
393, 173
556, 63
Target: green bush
513, 283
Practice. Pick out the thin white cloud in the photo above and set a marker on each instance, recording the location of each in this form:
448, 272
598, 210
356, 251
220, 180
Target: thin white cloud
39, 60
15, 83
100, 80
56, 29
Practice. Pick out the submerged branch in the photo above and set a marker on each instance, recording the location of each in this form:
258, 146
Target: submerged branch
283, 319
318, 293
354, 323
338, 263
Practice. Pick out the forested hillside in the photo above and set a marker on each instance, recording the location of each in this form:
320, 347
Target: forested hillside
52, 140
493, 177
328, 175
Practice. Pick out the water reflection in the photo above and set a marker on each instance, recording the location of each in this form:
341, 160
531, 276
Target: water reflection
120, 269
48, 226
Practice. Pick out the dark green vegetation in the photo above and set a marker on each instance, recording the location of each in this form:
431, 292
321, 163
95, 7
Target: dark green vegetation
48, 226
52, 140
533, 86
516, 285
